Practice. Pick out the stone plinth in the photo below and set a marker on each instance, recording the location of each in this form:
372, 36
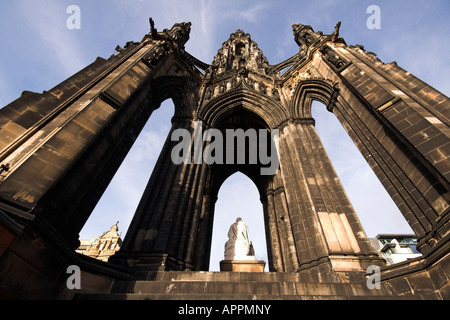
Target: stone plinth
242, 265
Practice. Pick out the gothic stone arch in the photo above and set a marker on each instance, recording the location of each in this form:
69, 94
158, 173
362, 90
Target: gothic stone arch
60, 149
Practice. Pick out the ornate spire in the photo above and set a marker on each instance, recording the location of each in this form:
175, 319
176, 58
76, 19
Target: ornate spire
304, 35
239, 63
240, 52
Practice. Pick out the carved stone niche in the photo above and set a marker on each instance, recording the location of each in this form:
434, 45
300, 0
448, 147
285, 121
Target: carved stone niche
239, 53
331, 56
304, 35
240, 49
155, 56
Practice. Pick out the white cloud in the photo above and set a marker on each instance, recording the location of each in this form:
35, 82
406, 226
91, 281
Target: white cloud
48, 23
147, 148
252, 14
120, 200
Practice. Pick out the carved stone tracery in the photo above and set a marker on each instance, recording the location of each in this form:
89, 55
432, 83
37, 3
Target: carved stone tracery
239, 60
332, 57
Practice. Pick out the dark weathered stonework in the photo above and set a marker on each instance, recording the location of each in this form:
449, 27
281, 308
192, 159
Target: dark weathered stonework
60, 149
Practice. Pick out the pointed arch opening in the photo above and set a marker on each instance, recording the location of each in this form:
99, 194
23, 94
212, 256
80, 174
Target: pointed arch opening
375, 208
238, 197
121, 198
238, 189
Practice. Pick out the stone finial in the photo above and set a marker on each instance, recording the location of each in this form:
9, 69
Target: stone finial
153, 30
335, 34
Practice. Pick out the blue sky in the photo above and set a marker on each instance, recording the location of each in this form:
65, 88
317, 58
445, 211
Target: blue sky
38, 51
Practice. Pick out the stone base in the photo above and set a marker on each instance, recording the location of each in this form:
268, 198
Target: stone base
242, 265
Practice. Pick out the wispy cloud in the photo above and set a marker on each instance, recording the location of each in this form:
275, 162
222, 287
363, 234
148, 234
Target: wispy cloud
373, 206
129, 182
48, 23
253, 13
148, 146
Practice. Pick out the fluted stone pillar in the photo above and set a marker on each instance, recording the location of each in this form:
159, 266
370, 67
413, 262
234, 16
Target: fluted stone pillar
164, 227
324, 224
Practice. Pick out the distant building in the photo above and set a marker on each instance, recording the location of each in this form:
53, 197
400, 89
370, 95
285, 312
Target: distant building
103, 247
396, 248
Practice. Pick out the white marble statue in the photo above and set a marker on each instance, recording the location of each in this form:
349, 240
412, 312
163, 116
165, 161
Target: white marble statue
239, 246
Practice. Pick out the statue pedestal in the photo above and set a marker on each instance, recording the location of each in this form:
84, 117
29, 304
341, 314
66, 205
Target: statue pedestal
242, 265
